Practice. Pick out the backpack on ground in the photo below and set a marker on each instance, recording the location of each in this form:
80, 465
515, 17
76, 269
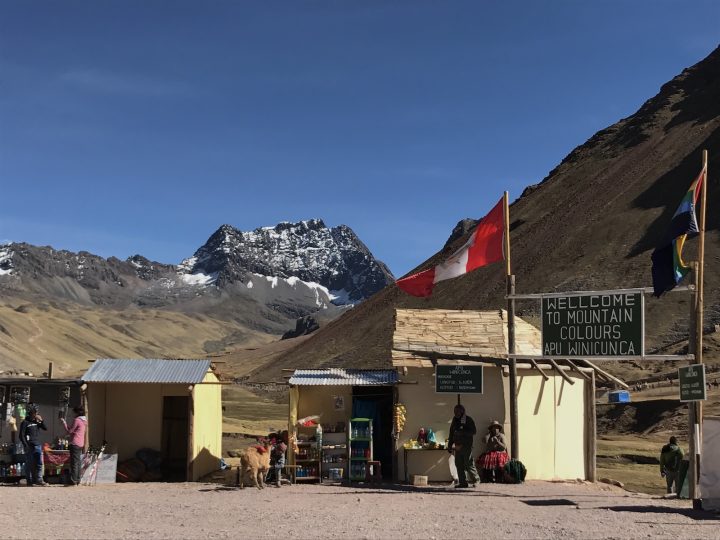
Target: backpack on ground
514, 472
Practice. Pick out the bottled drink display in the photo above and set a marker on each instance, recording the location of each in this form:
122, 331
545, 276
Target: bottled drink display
360, 431
307, 471
357, 470
14, 469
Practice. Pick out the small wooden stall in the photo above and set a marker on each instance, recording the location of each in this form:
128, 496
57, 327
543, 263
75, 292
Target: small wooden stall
556, 405
54, 398
354, 408
168, 406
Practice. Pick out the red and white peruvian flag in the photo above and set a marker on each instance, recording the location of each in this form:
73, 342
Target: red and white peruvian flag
485, 246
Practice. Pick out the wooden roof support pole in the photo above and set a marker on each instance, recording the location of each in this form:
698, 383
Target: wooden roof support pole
560, 371
536, 366
606, 374
510, 283
575, 368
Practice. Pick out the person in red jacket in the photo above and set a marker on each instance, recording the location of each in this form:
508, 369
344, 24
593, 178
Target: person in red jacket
76, 431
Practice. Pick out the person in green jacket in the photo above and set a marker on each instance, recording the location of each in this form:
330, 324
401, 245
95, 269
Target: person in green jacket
671, 457
460, 443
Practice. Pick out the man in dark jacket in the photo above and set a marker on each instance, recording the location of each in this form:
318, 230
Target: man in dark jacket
30, 438
460, 442
671, 457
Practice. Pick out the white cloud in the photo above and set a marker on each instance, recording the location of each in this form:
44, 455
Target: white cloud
117, 83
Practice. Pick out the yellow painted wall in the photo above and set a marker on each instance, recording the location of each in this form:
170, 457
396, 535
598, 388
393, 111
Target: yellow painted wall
133, 415
96, 414
570, 430
428, 409
129, 417
537, 424
321, 400
552, 431
207, 427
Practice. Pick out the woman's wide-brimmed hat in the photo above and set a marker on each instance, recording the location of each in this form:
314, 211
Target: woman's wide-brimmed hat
496, 424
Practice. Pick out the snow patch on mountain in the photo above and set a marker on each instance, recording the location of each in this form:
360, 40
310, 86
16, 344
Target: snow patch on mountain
323, 296
199, 279
187, 265
6, 265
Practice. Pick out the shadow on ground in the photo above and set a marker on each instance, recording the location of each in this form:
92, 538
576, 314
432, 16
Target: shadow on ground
698, 515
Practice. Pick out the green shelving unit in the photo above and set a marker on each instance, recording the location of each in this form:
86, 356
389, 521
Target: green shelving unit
360, 447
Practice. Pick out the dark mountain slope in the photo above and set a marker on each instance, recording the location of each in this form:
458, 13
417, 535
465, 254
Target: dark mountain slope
590, 224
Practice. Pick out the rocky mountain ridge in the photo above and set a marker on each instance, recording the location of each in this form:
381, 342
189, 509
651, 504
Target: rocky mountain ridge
332, 257
247, 287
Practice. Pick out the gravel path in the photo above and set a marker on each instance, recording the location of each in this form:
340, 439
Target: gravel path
532, 510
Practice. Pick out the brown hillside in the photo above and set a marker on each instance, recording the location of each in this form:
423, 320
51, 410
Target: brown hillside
590, 224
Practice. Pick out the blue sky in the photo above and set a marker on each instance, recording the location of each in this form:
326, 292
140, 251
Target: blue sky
141, 126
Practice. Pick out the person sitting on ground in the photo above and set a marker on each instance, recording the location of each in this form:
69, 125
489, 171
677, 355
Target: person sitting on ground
77, 443
671, 457
492, 462
30, 439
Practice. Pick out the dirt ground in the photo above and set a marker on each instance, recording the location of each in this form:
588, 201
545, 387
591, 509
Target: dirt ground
532, 510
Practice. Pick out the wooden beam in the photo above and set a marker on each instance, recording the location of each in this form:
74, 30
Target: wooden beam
560, 371
536, 366
590, 431
575, 368
606, 374
190, 463
454, 356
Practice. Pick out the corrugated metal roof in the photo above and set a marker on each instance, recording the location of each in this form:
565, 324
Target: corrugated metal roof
147, 371
343, 377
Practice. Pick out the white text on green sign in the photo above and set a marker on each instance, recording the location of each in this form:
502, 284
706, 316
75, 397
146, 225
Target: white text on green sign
692, 382
592, 325
458, 379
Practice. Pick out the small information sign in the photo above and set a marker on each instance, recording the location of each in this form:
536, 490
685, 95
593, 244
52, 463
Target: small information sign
593, 325
461, 379
692, 382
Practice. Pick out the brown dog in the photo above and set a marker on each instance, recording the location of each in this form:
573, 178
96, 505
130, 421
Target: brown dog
254, 465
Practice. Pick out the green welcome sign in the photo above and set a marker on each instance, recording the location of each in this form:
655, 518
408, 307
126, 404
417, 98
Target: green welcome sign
603, 324
461, 379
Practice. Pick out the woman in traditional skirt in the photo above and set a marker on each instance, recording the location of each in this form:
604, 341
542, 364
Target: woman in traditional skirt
492, 462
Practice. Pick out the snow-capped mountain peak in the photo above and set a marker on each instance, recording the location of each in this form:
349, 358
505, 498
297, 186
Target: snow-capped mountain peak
333, 258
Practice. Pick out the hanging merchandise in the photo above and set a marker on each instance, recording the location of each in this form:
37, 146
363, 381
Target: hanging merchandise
422, 436
399, 417
20, 411
20, 394
63, 401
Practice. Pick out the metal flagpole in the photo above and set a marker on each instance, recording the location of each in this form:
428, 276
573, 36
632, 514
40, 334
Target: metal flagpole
691, 474
699, 305
696, 342
515, 438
